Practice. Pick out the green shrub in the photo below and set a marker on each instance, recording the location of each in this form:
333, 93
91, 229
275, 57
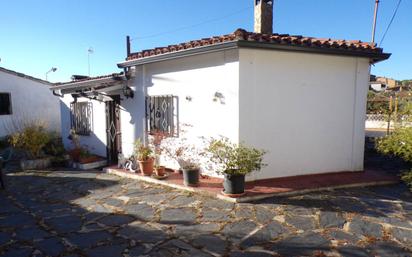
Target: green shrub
235, 159
399, 143
407, 178
32, 139
55, 146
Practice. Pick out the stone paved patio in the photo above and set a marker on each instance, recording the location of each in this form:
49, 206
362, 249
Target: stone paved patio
73, 213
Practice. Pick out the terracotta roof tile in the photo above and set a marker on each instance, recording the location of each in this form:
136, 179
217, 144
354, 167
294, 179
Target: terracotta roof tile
282, 39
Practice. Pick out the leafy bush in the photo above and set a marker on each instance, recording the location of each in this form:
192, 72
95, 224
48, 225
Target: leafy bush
399, 143
235, 159
55, 146
378, 103
407, 177
32, 139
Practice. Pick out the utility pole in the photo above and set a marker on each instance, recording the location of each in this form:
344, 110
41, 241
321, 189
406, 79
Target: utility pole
375, 17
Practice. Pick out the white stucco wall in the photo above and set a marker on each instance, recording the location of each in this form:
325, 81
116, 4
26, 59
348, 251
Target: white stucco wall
96, 141
306, 110
31, 101
198, 77
132, 113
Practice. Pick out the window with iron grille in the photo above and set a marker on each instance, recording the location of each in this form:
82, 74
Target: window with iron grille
81, 117
5, 104
161, 114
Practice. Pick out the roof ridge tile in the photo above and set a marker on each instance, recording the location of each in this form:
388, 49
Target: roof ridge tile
275, 38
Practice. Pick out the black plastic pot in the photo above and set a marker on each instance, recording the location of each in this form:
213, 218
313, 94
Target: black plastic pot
191, 177
234, 184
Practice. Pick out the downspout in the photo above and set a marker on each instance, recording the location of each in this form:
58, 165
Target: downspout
146, 125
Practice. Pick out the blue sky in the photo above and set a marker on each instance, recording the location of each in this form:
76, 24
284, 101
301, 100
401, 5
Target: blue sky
38, 35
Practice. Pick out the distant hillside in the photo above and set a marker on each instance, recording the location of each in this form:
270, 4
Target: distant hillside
405, 82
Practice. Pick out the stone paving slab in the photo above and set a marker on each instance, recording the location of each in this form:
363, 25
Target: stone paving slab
70, 213
262, 189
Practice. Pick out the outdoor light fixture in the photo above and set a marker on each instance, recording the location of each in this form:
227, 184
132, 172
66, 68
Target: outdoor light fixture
189, 98
53, 69
75, 96
219, 96
128, 92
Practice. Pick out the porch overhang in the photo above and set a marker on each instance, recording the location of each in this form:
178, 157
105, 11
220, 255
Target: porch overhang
93, 87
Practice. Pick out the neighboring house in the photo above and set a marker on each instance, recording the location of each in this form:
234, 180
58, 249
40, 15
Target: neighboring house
390, 83
379, 84
377, 87
302, 99
24, 99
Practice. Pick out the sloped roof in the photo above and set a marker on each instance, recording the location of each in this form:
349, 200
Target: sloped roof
95, 83
113, 75
240, 35
22, 75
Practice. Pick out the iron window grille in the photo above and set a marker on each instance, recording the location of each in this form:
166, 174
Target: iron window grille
162, 114
81, 117
5, 104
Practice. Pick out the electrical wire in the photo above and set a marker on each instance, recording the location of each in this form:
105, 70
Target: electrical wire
390, 23
194, 25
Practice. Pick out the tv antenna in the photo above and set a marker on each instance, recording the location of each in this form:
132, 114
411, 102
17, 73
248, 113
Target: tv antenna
89, 52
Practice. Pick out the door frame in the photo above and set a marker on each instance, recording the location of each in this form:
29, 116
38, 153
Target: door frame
113, 130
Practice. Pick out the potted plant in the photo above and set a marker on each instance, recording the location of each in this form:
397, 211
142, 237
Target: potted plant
191, 172
235, 161
144, 156
156, 139
188, 158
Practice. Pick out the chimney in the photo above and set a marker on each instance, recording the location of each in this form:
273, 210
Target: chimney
264, 16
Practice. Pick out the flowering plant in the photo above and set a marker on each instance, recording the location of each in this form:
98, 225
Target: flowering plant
187, 155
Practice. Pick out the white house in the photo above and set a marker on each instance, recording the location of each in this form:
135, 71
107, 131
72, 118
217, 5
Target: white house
302, 99
25, 99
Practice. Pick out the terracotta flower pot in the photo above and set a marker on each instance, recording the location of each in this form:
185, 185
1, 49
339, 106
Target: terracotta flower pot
146, 167
75, 154
160, 171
